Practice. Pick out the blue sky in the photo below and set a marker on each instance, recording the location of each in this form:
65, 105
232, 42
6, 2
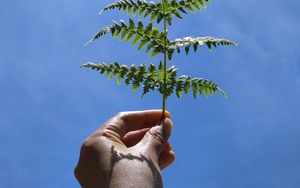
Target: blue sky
48, 105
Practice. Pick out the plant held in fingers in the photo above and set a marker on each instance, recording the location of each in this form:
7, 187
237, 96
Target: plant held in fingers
157, 77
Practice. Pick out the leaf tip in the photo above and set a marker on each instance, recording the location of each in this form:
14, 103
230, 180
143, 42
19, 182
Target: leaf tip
224, 93
100, 12
88, 42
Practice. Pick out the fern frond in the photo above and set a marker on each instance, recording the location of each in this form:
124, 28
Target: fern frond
176, 7
137, 77
187, 42
198, 86
151, 78
146, 35
141, 7
100, 33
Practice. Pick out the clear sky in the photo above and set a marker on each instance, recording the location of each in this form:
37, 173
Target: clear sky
48, 105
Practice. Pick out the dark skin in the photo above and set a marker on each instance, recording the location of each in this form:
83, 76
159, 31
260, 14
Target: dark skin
129, 150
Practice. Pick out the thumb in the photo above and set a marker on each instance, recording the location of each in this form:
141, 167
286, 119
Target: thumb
156, 137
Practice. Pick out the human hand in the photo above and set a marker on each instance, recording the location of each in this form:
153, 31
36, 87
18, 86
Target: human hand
128, 150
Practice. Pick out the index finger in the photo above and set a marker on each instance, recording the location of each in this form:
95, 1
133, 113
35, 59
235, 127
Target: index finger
125, 122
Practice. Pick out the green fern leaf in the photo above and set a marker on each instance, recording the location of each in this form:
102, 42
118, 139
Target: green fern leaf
179, 88
153, 16
199, 41
129, 36
148, 34
195, 4
154, 53
136, 39
100, 33
198, 86
185, 5
131, 7
134, 76
151, 78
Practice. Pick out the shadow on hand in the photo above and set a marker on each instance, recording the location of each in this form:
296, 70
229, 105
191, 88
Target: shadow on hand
116, 157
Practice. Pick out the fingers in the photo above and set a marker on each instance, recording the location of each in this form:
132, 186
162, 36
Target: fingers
156, 138
165, 159
166, 148
135, 120
132, 138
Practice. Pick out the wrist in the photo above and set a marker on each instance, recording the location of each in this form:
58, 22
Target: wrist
135, 172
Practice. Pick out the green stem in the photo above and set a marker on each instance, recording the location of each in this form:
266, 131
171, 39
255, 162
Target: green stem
165, 65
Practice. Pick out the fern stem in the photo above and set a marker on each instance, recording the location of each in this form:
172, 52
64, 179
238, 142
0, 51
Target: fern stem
165, 64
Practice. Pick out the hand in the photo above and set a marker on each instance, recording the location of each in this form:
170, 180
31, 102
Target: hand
128, 150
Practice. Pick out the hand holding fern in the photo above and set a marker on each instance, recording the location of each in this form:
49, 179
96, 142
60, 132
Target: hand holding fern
129, 150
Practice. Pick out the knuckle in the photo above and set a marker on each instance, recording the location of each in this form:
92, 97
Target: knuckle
157, 135
77, 172
120, 115
88, 145
85, 147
